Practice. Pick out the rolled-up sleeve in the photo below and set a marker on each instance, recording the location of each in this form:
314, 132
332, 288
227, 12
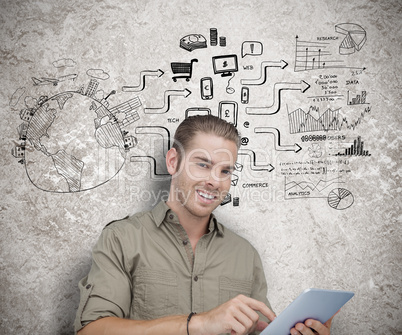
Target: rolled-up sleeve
106, 291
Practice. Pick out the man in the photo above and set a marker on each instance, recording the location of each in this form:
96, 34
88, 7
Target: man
175, 269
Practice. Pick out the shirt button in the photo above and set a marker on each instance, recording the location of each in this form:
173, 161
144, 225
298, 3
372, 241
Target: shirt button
88, 286
196, 278
185, 242
171, 216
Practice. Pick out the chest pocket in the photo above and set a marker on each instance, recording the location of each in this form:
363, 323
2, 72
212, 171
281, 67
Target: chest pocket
155, 294
230, 288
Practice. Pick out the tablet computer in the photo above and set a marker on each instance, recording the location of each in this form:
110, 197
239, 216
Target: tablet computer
312, 303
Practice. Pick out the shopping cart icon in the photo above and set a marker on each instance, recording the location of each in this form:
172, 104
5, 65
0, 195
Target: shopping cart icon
184, 69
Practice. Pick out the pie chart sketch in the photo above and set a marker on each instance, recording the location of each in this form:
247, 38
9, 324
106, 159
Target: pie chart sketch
340, 198
355, 37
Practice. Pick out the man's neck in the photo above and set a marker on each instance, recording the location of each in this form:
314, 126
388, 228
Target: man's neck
195, 226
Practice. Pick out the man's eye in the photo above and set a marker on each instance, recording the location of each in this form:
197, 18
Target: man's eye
203, 165
227, 172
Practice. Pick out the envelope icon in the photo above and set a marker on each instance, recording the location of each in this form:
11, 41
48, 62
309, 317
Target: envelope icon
235, 180
238, 167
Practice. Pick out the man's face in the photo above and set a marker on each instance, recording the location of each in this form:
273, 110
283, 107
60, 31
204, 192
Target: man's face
203, 178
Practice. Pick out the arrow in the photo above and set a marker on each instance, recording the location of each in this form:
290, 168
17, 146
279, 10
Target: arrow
278, 147
156, 130
152, 165
253, 161
276, 105
166, 106
263, 73
147, 73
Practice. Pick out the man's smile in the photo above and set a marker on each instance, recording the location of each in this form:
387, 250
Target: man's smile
206, 195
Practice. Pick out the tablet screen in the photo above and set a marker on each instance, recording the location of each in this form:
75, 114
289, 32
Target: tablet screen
317, 304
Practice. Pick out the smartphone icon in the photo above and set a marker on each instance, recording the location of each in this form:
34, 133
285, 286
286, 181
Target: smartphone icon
207, 92
244, 95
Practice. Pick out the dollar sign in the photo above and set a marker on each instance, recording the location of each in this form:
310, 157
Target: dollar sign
225, 63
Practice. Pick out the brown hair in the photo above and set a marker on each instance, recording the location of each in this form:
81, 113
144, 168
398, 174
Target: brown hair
207, 124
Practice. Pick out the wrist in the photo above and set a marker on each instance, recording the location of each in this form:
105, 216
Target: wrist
194, 325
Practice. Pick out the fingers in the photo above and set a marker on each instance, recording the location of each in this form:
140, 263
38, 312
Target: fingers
237, 316
301, 329
261, 325
310, 327
258, 306
245, 319
243, 313
322, 329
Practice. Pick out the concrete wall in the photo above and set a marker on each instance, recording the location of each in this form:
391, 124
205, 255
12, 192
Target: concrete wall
317, 187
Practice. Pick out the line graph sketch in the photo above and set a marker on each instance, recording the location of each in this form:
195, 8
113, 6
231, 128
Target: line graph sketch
310, 121
296, 189
301, 121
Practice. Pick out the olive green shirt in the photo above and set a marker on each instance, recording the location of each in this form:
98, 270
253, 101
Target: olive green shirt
144, 268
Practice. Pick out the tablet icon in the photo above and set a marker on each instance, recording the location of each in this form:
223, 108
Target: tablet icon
192, 111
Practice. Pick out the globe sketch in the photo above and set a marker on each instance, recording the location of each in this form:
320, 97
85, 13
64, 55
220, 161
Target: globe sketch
73, 143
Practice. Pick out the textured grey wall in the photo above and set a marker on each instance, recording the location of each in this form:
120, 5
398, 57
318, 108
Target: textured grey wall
321, 216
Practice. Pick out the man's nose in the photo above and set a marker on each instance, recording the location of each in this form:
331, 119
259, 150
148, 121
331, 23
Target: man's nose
212, 179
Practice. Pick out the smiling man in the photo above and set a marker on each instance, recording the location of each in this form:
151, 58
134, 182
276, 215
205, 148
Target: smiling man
176, 269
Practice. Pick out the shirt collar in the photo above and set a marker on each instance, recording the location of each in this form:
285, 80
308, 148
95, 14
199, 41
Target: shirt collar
162, 212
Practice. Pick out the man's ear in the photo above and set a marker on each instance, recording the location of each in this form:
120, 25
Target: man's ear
172, 161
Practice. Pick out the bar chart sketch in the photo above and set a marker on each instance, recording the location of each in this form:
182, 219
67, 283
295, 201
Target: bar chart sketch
356, 149
314, 55
311, 55
357, 98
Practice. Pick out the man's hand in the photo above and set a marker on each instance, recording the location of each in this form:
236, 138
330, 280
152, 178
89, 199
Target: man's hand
238, 316
312, 327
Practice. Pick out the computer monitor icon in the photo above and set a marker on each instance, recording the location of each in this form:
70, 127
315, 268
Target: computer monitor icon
225, 65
